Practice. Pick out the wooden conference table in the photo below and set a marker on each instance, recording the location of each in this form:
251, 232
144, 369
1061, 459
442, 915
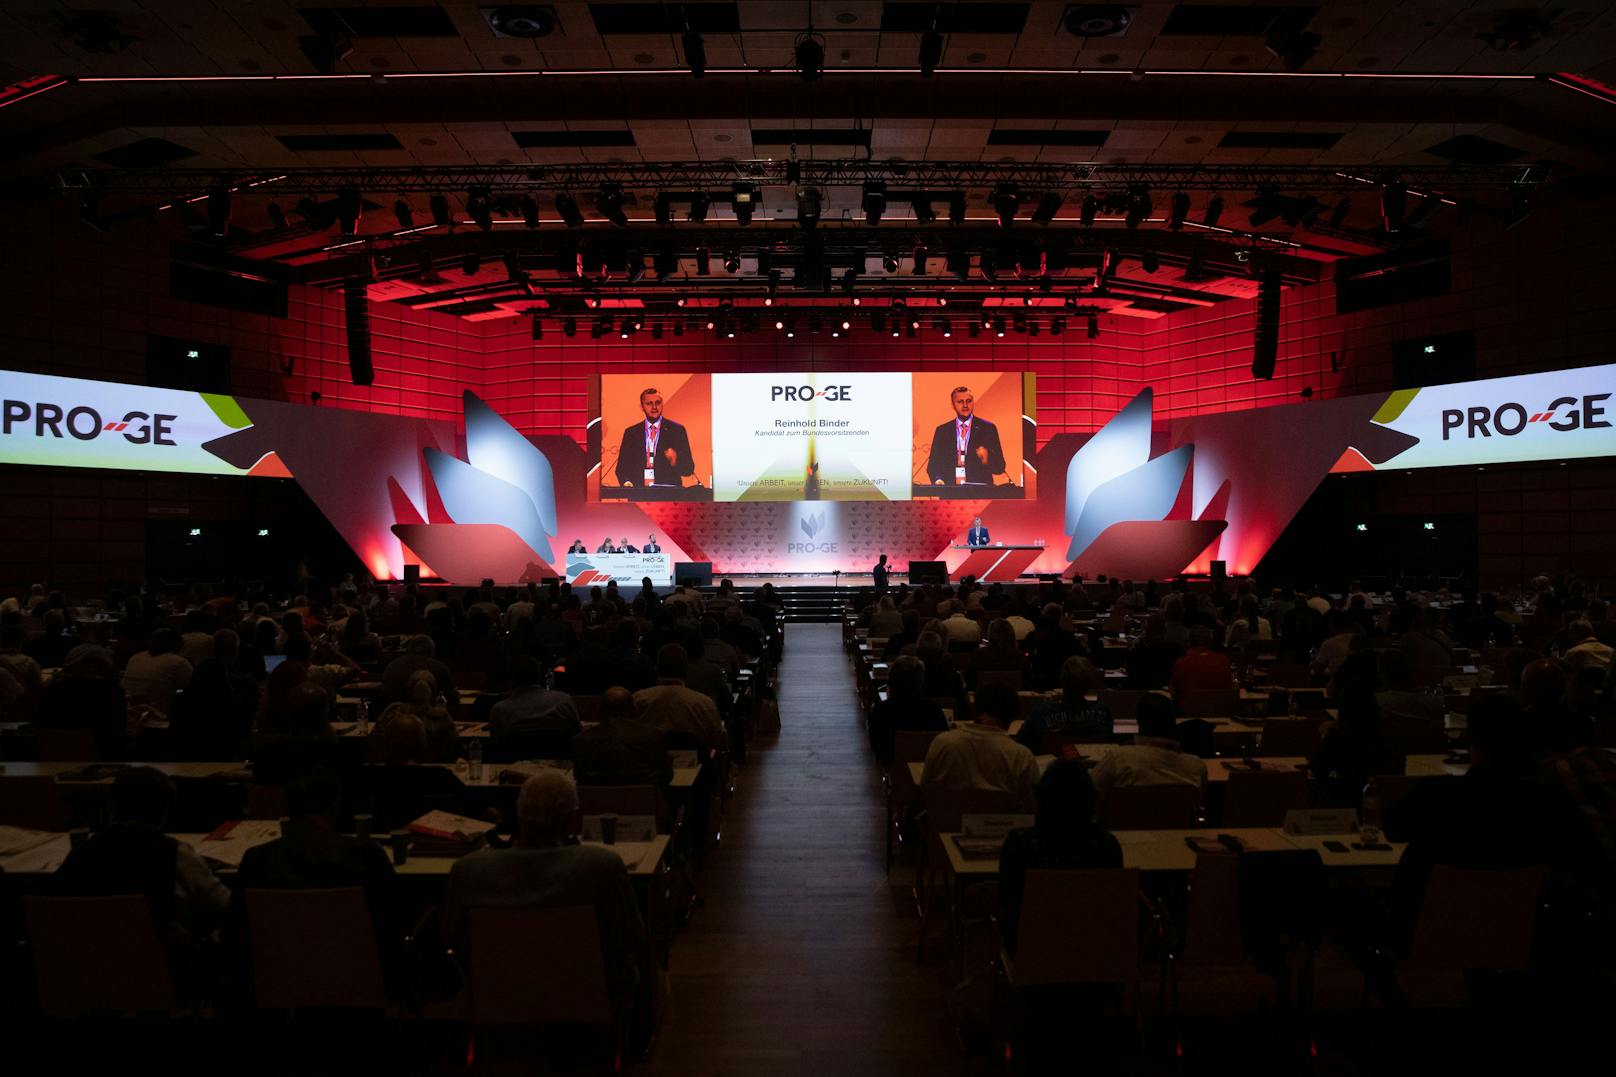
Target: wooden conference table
1218, 769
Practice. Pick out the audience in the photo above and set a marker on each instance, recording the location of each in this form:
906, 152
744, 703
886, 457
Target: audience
981, 754
530, 707
1154, 757
906, 708
676, 709
621, 749
1072, 714
155, 674
1201, 669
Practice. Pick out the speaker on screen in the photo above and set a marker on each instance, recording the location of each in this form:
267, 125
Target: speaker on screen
1265, 344
693, 573
412, 573
358, 308
928, 572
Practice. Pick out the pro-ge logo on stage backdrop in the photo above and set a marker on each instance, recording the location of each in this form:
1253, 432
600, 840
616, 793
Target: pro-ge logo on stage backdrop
805, 393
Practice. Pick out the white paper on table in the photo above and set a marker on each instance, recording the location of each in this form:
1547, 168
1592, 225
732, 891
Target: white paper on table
42, 859
18, 839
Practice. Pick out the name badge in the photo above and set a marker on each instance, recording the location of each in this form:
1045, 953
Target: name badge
650, 475
959, 476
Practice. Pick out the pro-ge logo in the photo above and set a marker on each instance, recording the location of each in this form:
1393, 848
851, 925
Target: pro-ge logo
805, 393
84, 423
1581, 413
813, 525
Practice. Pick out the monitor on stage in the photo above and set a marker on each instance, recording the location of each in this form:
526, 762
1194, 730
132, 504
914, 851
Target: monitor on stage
851, 436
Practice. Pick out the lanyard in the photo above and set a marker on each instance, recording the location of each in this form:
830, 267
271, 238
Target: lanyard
653, 431
962, 438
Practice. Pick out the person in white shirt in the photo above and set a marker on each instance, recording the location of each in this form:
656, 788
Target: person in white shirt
1586, 652
963, 631
1154, 757
1249, 627
1319, 602
982, 754
1021, 626
157, 673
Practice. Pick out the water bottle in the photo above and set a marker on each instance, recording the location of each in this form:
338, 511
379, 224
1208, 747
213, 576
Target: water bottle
364, 717
475, 755
1369, 827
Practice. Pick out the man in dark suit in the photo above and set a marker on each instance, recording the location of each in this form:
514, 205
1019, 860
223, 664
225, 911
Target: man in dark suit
650, 545
977, 535
625, 547
966, 448
656, 451
577, 547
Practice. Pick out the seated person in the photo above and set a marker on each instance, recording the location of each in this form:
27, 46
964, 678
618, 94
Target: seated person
303, 738
620, 749
723, 655
1073, 714
213, 718
1154, 757
1064, 837
1354, 747
132, 855
1002, 654
981, 754
155, 674
86, 695
530, 707
1556, 726
546, 867
1150, 660
1201, 669
419, 653
402, 789
963, 631
674, 708
906, 707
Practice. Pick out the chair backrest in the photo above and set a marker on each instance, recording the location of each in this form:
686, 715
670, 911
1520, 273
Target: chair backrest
1078, 927
1212, 917
1476, 919
1169, 806
1262, 797
624, 800
314, 948
908, 746
33, 801
67, 745
1210, 703
1290, 736
531, 965
97, 954
1289, 675
1012, 677
265, 801
588, 708
1122, 702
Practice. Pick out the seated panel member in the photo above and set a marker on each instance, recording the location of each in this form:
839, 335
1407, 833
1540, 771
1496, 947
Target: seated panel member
606, 547
650, 545
966, 448
577, 546
625, 547
655, 451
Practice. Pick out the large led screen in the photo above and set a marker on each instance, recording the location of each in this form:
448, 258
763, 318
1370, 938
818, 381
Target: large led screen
866, 436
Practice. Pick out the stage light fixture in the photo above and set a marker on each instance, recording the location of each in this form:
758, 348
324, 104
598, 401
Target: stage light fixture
956, 208
1393, 202
793, 172
1214, 210
1048, 206
774, 283
515, 274
703, 259
350, 206
732, 262
470, 264
440, 211
846, 324
1006, 200
780, 323
1268, 207
700, 201
1151, 261
1293, 48
1422, 212
972, 330
920, 261
526, 205
1094, 326
942, 301
480, 208
1265, 337
849, 279
1139, 205
567, 207
889, 263
1019, 322
931, 51
636, 268
878, 321
663, 208
874, 202
998, 329
1087, 211
569, 327
678, 329
425, 269
1057, 326
666, 265
989, 265
403, 214
958, 263
1032, 329
814, 325
810, 56
695, 53
1179, 212
921, 205
808, 204
791, 329
743, 199
277, 217
610, 203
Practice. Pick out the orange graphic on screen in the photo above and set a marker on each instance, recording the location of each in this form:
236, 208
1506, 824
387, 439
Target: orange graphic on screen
656, 429
966, 429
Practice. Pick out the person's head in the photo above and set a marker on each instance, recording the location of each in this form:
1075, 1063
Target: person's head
956, 608
616, 702
672, 662
883, 559
964, 402
976, 522
226, 645
1498, 731
997, 704
911, 621
421, 645
1001, 637
931, 648
1396, 673
1154, 713
1067, 801
164, 641
307, 708
651, 404
625, 541
547, 808
403, 736
1200, 637
524, 671
313, 797
906, 677
142, 796
1543, 683
1578, 631
1077, 676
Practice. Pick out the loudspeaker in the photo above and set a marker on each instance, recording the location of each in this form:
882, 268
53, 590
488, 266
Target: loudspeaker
1265, 343
412, 574
693, 573
928, 572
358, 308
1220, 571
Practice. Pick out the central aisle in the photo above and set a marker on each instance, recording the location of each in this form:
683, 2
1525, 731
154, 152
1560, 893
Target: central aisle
802, 961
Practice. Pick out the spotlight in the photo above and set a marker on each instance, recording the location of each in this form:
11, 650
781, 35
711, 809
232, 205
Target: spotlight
695, 54
610, 204
1268, 207
743, 200
1193, 270
403, 214
1006, 199
703, 256
808, 202
889, 262
666, 265
277, 217
1048, 206
922, 207
956, 208
732, 262
1293, 48
920, 261
1139, 205
699, 201
959, 263
1091, 206
567, 207
846, 324
1179, 212
931, 51
480, 208
875, 203
989, 266
810, 56
791, 329
516, 275
528, 206
440, 211
350, 204
1214, 210
793, 172
1151, 261
470, 264
774, 283
656, 331
1094, 326
998, 329
1393, 201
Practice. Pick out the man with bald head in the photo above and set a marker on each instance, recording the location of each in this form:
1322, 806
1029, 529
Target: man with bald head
620, 749
547, 868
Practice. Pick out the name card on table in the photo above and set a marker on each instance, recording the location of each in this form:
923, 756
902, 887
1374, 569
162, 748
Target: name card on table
1322, 821
629, 828
989, 826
